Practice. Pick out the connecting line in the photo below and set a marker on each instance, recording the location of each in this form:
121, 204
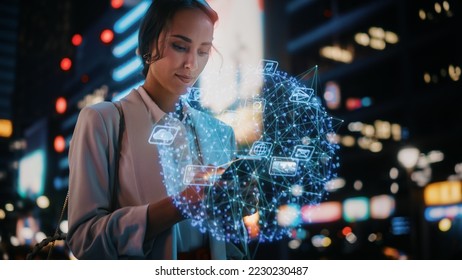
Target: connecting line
239, 158
227, 164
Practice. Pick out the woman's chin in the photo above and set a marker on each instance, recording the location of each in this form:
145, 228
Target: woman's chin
181, 91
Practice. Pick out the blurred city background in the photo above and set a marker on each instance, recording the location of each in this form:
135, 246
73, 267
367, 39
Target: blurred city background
390, 69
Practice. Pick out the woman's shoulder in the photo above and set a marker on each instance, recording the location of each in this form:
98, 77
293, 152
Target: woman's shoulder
103, 110
104, 107
99, 114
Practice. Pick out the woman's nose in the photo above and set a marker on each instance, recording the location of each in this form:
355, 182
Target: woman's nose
191, 62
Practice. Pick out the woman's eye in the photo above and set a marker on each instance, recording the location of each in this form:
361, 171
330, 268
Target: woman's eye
204, 52
179, 48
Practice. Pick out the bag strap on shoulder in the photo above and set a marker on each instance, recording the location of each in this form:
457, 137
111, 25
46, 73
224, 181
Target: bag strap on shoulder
115, 187
62, 236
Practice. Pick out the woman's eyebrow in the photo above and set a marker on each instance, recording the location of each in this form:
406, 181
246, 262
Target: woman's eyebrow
186, 39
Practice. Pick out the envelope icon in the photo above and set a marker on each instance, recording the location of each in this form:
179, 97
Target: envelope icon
303, 152
301, 95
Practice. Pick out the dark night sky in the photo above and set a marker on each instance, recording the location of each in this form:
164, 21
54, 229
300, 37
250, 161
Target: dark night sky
45, 31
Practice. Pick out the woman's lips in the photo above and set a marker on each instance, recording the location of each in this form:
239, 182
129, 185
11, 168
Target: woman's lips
185, 78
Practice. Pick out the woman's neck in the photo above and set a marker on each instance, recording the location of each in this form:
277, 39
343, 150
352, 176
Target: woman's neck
166, 102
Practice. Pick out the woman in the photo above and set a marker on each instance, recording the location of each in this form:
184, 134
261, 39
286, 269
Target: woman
175, 41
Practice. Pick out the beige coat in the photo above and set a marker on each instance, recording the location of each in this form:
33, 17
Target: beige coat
96, 232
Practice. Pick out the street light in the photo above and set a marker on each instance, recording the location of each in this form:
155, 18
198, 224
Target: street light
408, 157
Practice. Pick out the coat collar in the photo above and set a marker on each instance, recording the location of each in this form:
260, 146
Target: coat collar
139, 126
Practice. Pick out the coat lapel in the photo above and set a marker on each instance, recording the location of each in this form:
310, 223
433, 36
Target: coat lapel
147, 169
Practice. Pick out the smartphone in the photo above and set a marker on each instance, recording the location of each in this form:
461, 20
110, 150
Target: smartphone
242, 167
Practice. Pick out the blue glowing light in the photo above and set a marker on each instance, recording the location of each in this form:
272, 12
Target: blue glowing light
125, 70
366, 101
130, 43
32, 171
63, 163
131, 17
436, 213
400, 225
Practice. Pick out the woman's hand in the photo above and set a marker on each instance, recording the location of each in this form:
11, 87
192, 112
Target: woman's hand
207, 189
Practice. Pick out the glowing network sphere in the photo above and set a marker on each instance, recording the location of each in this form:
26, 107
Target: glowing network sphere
281, 164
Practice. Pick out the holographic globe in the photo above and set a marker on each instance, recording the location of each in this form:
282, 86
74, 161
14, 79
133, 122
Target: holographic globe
285, 153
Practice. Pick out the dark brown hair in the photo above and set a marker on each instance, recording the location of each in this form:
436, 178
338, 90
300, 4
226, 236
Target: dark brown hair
158, 16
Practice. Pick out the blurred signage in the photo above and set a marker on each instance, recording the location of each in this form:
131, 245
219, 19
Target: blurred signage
356, 209
31, 178
400, 226
382, 206
325, 212
436, 213
6, 128
443, 193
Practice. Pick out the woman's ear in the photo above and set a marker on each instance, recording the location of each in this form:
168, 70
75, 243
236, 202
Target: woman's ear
148, 59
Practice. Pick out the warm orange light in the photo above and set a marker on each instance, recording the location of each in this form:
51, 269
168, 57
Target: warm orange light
61, 105
391, 253
251, 222
76, 40
66, 64
107, 36
6, 128
116, 4
443, 193
59, 144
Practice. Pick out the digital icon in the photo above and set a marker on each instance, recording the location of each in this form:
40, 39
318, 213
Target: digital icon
163, 135
257, 104
268, 67
301, 95
283, 166
194, 94
261, 149
303, 152
200, 175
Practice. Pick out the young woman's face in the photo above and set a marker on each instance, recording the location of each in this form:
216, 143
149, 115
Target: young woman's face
185, 48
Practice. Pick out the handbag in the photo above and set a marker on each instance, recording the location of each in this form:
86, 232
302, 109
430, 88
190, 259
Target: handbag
61, 235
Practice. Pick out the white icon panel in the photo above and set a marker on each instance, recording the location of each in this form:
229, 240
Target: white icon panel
281, 166
268, 67
163, 135
303, 152
301, 95
200, 175
261, 149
